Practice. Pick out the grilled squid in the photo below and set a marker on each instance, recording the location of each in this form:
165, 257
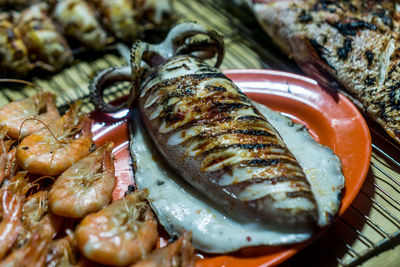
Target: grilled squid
153, 12
78, 20
213, 136
119, 17
14, 57
46, 46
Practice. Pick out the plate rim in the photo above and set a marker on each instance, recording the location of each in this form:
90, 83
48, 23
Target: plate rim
291, 250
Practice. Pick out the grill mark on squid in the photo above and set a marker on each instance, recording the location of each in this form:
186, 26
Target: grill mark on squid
298, 180
253, 146
267, 162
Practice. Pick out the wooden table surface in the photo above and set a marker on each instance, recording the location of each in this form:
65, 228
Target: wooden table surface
374, 216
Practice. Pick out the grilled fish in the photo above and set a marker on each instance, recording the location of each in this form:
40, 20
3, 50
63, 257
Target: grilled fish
353, 44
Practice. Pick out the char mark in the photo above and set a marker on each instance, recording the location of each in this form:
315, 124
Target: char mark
369, 56
267, 162
369, 81
226, 107
352, 27
394, 96
386, 18
251, 118
304, 17
251, 132
321, 51
254, 146
343, 52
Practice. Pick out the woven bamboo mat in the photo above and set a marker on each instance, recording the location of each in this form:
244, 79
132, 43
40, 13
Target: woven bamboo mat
367, 233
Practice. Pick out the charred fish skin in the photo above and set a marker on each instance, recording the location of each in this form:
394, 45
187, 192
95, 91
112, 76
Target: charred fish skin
213, 136
354, 43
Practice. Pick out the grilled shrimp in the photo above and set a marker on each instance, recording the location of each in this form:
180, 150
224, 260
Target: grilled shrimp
121, 233
44, 42
31, 254
53, 149
63, 251
86, 186
7, 155
14, 54
36, 215
78, 20
119, 17
178, 253
23, 117
12, 199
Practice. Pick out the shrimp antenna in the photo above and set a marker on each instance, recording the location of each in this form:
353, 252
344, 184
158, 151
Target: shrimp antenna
44, 177
5, 80
45, 125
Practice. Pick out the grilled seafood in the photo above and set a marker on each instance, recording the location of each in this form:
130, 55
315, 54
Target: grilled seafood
23, 117
353, 43
12, 198
33, 253
204, 120
14, 54
121, 233
178, 253
86, 186
119, 17
45, 43
62, 252
53, 149
7, 156
153, 12
217, 140
36, 216
78, 19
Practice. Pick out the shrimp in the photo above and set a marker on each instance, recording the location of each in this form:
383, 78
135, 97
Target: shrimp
7, 156
53, 149
121, 233
32, 254
22, 118
179, 253
86, 186
63, 251
12, 199
36, 216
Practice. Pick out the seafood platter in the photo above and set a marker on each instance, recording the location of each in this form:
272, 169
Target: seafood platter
214, 170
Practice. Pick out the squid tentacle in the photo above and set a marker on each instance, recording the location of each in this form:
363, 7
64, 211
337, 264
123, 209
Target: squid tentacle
177, 42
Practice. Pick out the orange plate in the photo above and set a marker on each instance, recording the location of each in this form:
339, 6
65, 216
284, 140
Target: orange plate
330, 117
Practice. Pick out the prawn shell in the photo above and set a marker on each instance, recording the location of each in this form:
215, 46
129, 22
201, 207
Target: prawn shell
42, 153
78, 192
100, 240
